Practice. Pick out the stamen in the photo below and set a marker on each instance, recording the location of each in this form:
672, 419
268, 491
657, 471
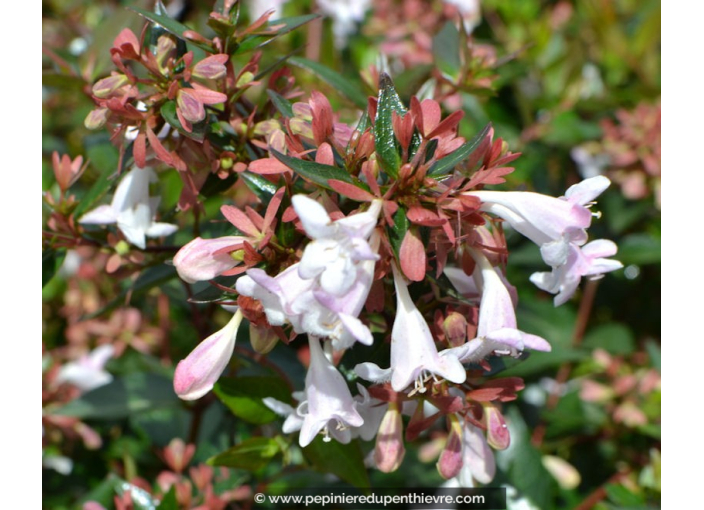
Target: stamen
326, 435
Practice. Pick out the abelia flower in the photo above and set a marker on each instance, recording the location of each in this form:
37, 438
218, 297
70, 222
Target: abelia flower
414, 356
497, 328
87, 372
204, 259
324, 293
329, 406
551, 223
588, 260
196, 375
132, 209
345, 15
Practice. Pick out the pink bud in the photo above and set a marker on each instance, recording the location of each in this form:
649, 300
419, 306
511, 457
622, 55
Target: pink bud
389, 450
455, 328
212, 67
107, 86
178, 454
190, 105
96, 118
204, 259
497, 433
450, 462
196, 375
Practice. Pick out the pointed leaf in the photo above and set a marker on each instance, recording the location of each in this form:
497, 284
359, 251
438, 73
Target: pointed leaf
447, 164
281, 103
263, 188
251, 454
313, 171
254, 42
385, 143
398, 232
349, 88
51, 262
244, 396
170, 25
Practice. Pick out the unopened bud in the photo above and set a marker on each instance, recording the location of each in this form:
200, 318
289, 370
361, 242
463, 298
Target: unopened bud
245, 79
96, 118
265, 127
455, 328
390, 450
450, 462
497, 433
122, 248
263, 340
107, 86
190, 105
212, 67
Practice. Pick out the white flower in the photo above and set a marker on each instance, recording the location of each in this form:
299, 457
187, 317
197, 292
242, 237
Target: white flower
324, 293
329, 406
413, 352
345, 15
86, 373
132, 209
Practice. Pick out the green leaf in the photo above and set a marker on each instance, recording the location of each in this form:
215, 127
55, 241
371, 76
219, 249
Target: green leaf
445, 165
343, 460
170, 25
398, 231
623, 496
169, 502
281, 103
349, 88
446, 49
251, 454
211, 293
168, 112
244, 395
385, 143
99, 188
51, 262
122, 397
316, 172
614, 337
653, 350
263, 188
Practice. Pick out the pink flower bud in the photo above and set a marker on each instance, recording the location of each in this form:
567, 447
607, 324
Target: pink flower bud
450, 462
204, 259
190, 106
263, 340
178, 454
497, 433
455, 328
107, 86
96, 118
212, 67
389, 450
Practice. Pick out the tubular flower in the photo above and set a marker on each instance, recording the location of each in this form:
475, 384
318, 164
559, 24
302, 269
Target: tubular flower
132, 209
551, 223
196, 375
477, 458
324, 293
413, 352
497, 329
329, 406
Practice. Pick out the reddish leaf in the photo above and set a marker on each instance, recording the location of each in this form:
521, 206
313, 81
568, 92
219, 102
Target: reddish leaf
350, 191
139, 151
412, 256
240, 220
268, 166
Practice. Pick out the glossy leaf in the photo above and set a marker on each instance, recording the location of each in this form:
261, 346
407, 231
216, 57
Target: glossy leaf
170, 25
244, 395
51, 262
316, 172
281, 103
349, 88
344, 460
263, 188
385, 143
398, 232
447, 164
251, 454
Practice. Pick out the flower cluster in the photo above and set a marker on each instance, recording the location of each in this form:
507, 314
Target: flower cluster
398, 207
